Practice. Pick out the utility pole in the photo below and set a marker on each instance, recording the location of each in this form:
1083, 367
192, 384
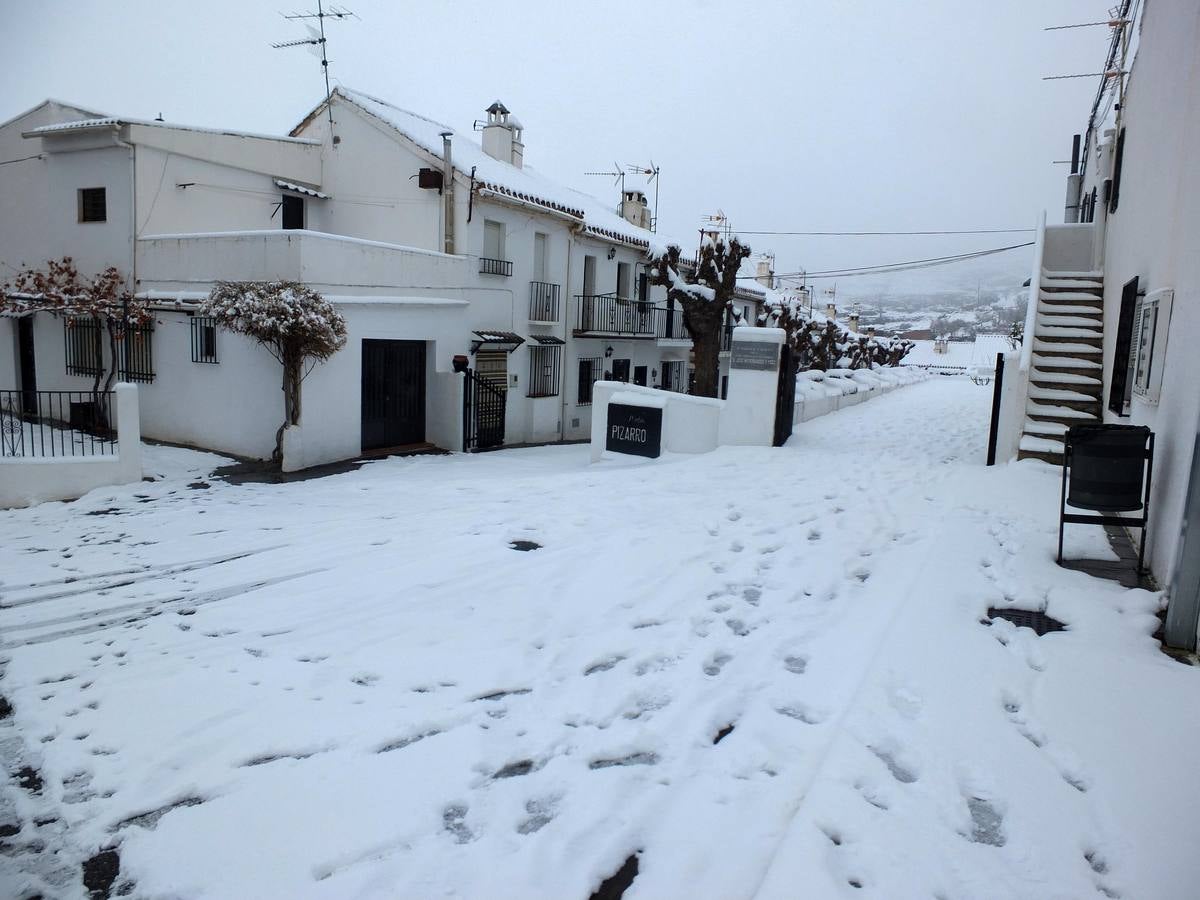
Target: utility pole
316, 44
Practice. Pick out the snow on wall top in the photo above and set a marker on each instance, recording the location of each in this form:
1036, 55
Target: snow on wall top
525, 184
958, 354
113, 121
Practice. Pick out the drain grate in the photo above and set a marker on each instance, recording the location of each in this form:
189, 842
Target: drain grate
1027, 618
525, 545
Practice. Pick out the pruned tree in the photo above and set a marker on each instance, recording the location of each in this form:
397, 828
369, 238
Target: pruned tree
705, 295
293, 322
60, 290
821, 343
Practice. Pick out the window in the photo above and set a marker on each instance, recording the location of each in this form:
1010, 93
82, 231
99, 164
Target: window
673, 375
1119, 384
83, 351
544, 363
493, 262
204, 340
93, 206
293, 212
137, 357
624, 283
1149, 343
1118, 159
539, 256
590, 371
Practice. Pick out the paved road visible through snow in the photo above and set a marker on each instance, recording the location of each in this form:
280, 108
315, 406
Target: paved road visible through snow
355, 687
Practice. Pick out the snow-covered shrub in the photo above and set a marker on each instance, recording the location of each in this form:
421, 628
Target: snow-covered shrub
296, 324
821, 343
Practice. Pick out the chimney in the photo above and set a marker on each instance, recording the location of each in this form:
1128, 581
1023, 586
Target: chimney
502, 136
852, 320
634, 209
448, 193
831, 311
765, 271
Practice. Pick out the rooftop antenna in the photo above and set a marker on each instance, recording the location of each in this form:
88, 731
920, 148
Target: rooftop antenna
617, 174
316, 44
651, 172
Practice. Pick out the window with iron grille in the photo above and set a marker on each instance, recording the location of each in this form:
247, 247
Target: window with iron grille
204, 340
544, 365
137, 356
673, 375
590, 371
83, 347
93, 206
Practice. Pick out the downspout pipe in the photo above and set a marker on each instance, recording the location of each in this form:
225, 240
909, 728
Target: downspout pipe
448, 193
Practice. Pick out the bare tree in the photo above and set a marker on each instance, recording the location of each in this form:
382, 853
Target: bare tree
296, 324
705, 294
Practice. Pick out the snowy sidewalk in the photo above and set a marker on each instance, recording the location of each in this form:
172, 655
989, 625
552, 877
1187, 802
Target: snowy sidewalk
355, 687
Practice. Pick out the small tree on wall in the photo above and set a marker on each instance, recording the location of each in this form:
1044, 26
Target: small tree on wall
296, 324
60, 290
705, 295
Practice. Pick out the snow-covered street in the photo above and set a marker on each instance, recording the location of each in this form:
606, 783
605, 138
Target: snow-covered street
355, 686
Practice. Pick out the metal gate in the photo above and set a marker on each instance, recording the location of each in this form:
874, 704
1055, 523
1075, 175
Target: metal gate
785, 398
483, 413
393, 393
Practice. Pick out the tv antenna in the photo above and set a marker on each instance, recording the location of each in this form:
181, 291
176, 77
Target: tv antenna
316, 43
651, 172
617, 174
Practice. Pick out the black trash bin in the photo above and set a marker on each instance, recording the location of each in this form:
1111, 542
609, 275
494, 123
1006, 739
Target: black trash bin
1107, 468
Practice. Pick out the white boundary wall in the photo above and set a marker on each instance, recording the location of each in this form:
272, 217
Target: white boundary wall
26, 481
690, 424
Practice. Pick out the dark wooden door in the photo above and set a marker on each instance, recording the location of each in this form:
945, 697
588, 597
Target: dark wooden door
620, 370
28, 365
640, 375
393, 393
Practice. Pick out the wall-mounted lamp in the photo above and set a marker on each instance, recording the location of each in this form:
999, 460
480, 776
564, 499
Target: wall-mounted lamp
654, 373
608, 352
612, 251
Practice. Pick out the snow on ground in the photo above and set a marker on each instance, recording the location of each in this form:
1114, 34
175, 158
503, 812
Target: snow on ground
354, 687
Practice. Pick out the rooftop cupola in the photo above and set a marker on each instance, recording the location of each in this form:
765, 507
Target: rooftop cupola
634, 209
502, 136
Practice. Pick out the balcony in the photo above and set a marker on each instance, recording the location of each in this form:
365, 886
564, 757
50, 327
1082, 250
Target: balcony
489, 266
669, 327
543, 301
607, 315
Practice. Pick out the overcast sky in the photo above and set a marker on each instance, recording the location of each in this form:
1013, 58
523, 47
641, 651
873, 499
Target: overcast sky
794, 115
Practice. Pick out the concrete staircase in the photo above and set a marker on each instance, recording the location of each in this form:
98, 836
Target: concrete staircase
1065, 380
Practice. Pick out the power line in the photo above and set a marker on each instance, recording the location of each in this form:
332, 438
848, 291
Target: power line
904, 266
873, 233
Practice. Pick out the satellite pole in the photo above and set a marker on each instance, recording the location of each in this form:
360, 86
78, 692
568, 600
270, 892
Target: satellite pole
316, 44
618, 176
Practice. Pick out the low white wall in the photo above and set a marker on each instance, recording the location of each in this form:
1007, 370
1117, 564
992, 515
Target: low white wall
1068, 248
26, 481
1013, 393
690, 424
444, 410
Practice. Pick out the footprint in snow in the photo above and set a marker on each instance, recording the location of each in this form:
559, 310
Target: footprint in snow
716, 664
540, 813
902, 772
454, 821
802, 713
738, 627
603, 665
796, 664
752, 595
987, 822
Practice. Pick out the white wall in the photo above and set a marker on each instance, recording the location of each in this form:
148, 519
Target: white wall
1154, 234
1068, 248
25, 481
690, 424
1013, 392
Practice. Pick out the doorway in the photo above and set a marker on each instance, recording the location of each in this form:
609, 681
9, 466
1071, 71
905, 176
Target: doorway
393, 393
28, 366
620, 370
640, 375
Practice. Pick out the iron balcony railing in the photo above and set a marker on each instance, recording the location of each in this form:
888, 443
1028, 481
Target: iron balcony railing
668, 324
543, 301
488, 266
52, 424
608, 314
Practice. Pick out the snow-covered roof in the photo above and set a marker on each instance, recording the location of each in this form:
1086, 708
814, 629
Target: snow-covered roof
114, 122
962, 355
300, 189
49, 101
503, 179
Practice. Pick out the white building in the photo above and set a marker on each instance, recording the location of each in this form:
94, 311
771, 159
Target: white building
1115, 297
435, 247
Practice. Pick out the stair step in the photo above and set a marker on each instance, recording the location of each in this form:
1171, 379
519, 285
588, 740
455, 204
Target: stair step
1040, 375
1032, 444
1086, 284
1060, 394
1045, 429
1058, 413
1066, 309
1066, 321
1092, 275
1071, 297
1040, 346
1050, 363
1053, 333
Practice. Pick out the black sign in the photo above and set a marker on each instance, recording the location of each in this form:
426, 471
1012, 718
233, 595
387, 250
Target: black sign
761, 355
634, 429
